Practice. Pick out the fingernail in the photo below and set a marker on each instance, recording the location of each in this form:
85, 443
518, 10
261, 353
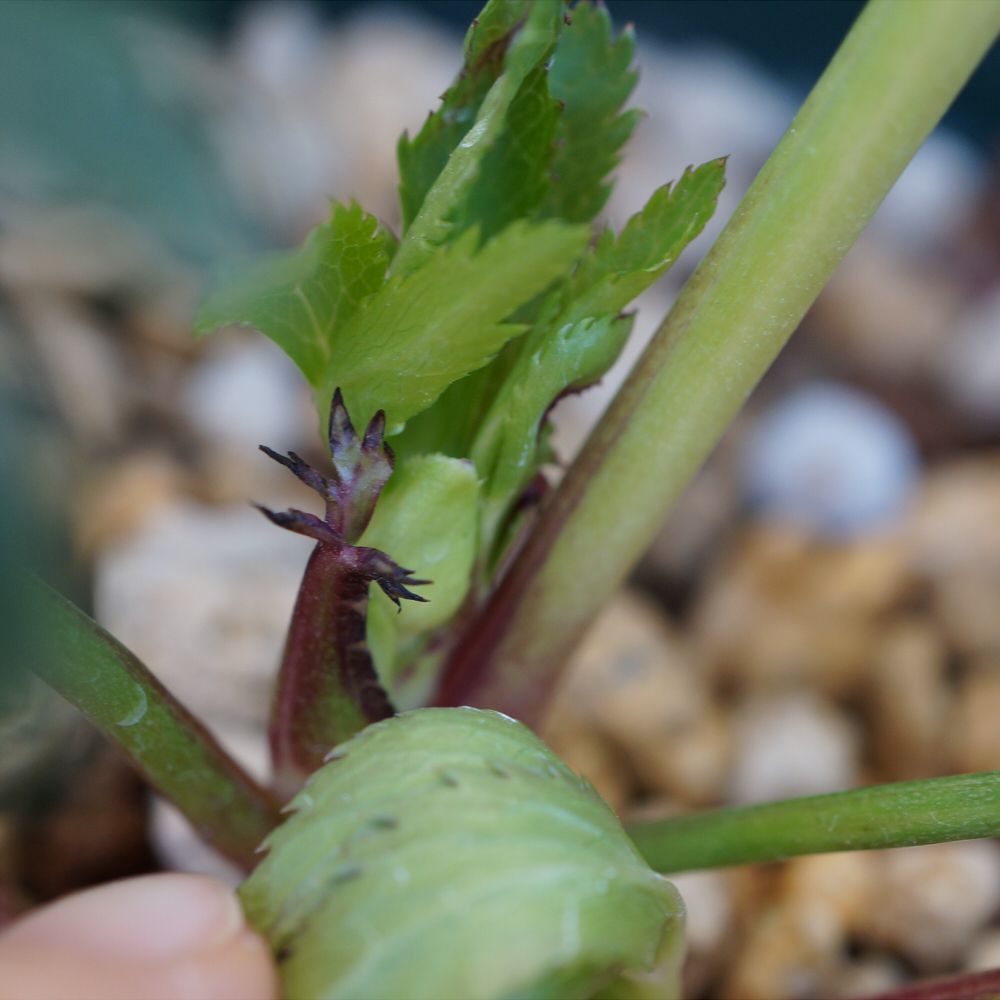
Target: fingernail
151, 918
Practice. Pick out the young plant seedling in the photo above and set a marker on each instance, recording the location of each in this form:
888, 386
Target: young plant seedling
453, 341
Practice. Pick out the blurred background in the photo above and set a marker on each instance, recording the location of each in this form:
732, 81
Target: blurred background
822, 610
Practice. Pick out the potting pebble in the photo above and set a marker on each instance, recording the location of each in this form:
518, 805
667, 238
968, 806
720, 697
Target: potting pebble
983, 953
973, 731
936, 193
832, 459
970, 367
910, 700
781, 608
632, 684
791, 744
933, 900
245, 393
794, 947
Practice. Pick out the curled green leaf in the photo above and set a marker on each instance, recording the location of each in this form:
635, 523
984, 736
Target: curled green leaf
434, 224
423, 157
623, 266
580, 333
396, 344
592, 76
301, 298
427, 517
447, 854
508, 450
424, 331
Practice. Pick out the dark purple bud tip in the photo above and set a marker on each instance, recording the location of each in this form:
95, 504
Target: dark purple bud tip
375, 432
394, 580
341, 431
302, 470
302, 523
361, 467
395, 591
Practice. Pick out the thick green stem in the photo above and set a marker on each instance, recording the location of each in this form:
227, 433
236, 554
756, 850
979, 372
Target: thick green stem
896, 73
161, 738
898, 815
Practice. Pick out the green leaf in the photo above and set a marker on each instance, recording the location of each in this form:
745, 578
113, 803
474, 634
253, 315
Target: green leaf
515, 174
300, 299
451, 424
448, 854
592, 75
423, 157
422, 332
493, 26
582, 335
506, 452
427, 517
394, 345
622, 267
435, 222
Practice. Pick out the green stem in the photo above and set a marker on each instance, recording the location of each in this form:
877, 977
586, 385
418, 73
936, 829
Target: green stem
892, 79
898, 815
178, 756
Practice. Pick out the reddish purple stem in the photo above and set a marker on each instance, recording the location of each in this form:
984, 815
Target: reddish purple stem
972, 986
328, 688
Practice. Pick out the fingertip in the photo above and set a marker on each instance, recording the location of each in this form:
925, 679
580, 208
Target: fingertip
162, 937
138, 919
241, 970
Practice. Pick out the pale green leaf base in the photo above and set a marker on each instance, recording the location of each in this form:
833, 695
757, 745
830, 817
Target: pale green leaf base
447, 853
